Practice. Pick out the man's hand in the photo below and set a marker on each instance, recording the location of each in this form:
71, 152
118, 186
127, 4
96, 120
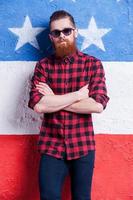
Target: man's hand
44, 89
83, 92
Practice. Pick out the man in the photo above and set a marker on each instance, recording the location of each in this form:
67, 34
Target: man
67, 87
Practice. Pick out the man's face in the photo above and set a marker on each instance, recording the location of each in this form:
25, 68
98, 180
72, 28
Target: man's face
64, 43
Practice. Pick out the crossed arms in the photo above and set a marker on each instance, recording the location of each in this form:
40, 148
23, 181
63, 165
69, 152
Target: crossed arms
90, 98
77, 101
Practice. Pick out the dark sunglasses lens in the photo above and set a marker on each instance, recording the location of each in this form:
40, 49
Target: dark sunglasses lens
67, 31
55, 33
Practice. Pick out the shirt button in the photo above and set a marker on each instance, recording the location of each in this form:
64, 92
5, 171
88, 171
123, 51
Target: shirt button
66, 60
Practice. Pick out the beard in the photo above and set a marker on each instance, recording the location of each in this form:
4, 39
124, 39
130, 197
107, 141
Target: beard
64, 48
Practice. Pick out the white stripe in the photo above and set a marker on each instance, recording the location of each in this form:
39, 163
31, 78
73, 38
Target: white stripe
17, 118
118, 116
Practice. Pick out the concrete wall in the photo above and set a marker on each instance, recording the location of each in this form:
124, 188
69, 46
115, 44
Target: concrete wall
105, 31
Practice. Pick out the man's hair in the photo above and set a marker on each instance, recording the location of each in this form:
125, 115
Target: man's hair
59, 15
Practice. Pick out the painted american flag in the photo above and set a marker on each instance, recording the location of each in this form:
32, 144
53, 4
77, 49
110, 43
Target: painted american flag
106, 32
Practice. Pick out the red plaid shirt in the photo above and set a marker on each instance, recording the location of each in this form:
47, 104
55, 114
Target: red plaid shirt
63, 132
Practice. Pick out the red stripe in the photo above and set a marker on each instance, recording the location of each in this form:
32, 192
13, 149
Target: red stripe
113, 174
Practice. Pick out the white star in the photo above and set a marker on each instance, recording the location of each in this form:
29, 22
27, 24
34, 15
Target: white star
27, 34
93, 35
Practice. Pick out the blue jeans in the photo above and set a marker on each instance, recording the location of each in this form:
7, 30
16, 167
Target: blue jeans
52, 172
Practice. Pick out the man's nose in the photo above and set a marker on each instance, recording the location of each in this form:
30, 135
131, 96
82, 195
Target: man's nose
62, 35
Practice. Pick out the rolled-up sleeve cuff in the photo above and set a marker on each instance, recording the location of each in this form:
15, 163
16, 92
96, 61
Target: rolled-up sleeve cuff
33, 102
103, 99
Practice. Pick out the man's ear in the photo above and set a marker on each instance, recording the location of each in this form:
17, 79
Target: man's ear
76, 33
51, 38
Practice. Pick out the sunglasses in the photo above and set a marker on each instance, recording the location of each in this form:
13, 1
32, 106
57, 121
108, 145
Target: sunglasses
66, 31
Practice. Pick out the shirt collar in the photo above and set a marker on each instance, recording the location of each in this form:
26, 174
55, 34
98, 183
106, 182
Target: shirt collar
68, 59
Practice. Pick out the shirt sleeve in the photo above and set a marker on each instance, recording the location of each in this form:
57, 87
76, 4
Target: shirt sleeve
97, 86
40, 75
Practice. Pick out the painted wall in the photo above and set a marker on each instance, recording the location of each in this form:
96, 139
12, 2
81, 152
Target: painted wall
112, 180
105, 31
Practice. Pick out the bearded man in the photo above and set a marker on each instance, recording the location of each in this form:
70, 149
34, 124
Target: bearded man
67, 87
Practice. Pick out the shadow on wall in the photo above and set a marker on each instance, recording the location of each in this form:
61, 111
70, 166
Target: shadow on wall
45, 43
24, 119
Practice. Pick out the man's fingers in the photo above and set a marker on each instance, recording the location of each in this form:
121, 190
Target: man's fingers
43, 89
42, 92
43, 84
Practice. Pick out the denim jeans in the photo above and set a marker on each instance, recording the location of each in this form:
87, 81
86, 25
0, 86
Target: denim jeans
52, 172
